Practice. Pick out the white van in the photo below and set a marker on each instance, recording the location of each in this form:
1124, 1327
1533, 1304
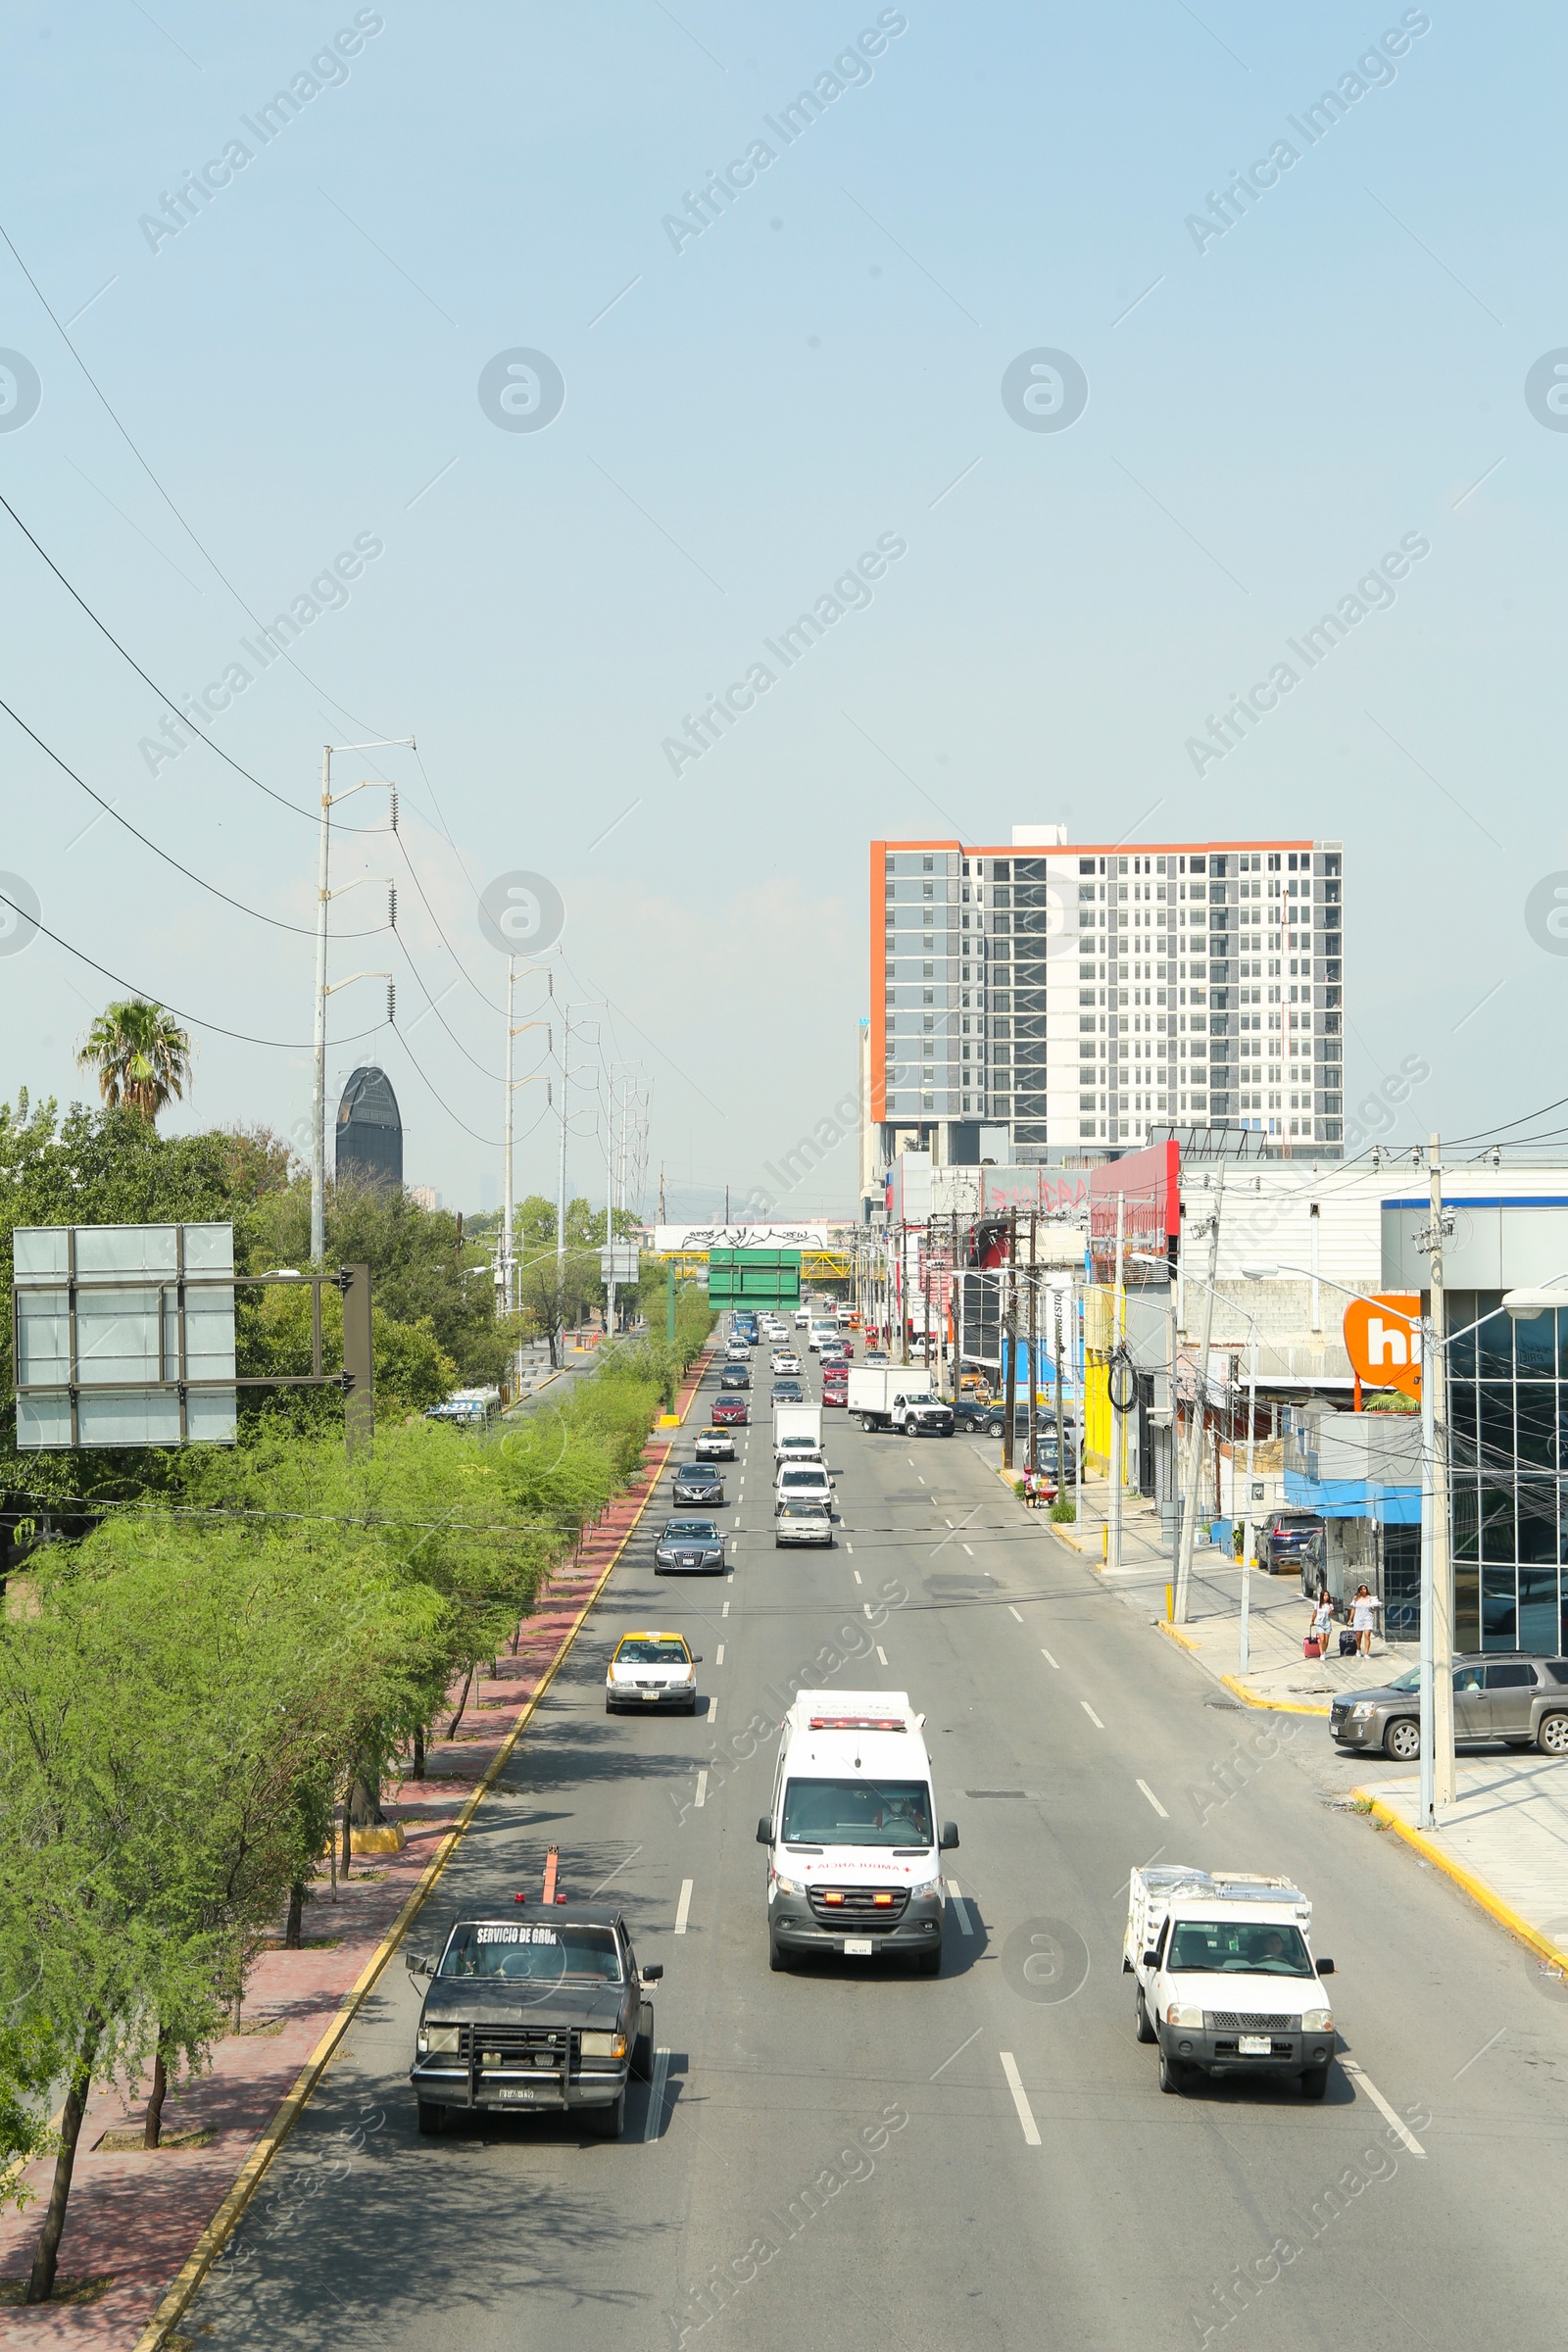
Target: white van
854, 1854
803, 1482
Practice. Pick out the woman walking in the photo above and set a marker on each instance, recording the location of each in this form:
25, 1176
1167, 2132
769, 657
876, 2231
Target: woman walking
1364, 1618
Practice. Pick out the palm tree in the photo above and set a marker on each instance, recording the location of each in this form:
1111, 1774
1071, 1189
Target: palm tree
142, 1056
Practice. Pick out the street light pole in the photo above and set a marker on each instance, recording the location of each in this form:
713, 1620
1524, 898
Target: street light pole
324, 898
1436, 1599
1243, 1653
1118, 1426
1194, 1443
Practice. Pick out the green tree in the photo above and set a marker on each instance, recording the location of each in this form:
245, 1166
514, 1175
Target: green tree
141, 1055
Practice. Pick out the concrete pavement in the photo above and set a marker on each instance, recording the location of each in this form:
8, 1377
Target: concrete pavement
846, 2156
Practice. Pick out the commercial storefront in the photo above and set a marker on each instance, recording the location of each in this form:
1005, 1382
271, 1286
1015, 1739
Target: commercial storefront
1507, 1412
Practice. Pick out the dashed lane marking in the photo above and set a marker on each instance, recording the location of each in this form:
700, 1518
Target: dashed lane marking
1020, 2099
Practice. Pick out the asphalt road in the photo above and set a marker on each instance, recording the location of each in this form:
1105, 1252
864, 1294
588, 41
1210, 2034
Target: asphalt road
849, 2156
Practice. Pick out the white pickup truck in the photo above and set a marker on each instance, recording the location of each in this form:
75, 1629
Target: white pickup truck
1226, 1982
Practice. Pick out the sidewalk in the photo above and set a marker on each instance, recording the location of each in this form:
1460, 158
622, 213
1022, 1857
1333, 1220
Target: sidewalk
1504, 1843
1278, 1676
142, 2228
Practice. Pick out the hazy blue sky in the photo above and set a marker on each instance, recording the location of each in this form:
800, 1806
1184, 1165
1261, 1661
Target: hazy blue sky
746, 410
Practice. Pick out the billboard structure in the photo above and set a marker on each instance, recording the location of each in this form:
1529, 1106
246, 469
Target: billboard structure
124, 1334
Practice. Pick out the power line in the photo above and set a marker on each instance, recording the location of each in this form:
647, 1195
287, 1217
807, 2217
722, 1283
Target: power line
302, 930
103, 399
151, 997
168, 699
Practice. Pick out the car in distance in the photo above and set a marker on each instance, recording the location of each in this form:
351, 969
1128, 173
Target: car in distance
530, 2015
715, 1445
836, 1393
689, 1547
802, 1519
785, 1359
1512, 1697
730, 1412
876, 1356
651, 1670
697, 1482
735, 1376
788, 1391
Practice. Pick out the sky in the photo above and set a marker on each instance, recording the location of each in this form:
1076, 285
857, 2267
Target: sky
453, 366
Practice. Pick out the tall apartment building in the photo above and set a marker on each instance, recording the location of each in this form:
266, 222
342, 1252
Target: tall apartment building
1044, 996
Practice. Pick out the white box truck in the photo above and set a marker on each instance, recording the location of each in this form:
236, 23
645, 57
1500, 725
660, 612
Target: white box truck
899, 1396
1226, 1981
797, 1433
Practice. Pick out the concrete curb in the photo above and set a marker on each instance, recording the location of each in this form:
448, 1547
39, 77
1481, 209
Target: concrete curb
1274, 1706
1181, 1640
1430, 1850
178, 2298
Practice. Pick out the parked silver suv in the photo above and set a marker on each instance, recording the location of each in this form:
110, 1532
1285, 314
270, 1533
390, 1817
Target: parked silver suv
1503, 1695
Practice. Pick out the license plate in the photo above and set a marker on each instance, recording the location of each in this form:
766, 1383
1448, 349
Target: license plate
508, 2093
1254, 2045
857, 1948
649, 1698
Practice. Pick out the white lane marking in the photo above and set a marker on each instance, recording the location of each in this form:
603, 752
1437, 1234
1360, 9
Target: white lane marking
911, 1461
1090, 1712
850, 1549
1031, 2130
725, 1611
1395, 2122
1153, 1800
918, 1480
946, 1523
961, 1908
855, 1573
866, 1607
881, 1655
702, 1787
713, 1710
1049, 1660
683, 1907
969, 1549
1012, 1612
718, 1655
657, 2091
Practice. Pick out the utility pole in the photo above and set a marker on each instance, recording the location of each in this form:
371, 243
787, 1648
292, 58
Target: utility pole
1195, 1442
324, 898
1055, 1351
561, 1182
1010, 1387
1439, 1780
610, 1199
956, 1313
1118, 1423
1243, 1650
1032, 1458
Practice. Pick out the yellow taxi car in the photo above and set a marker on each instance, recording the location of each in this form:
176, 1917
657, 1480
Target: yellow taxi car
652, 1670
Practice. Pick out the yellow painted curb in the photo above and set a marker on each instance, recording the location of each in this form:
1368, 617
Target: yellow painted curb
223, 2224
1181, 1640
1476, 1889
1275, 1706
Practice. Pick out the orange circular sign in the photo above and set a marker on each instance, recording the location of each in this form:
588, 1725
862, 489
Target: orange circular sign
1383, 1341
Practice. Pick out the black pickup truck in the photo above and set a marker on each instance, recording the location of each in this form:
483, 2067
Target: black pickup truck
533, 2015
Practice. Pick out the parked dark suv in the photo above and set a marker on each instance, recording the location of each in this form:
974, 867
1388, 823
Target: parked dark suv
1505, 1696
1292, 1544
